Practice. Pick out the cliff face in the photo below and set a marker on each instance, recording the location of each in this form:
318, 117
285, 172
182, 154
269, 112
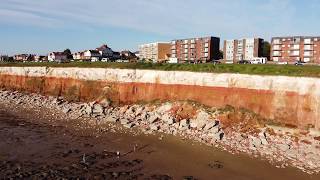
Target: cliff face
290, 100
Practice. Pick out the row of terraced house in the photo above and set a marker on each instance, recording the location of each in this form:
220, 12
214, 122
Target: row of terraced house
206, 49
102, 53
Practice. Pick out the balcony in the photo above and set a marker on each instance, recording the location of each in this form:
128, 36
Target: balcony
308, 48
276, 48
276, 41
308, 41
307, 54
294, 55
295, 47
276, 54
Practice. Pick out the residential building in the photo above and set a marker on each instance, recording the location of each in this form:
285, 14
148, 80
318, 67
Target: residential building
39, 58
137, 54
105, 51
295, 48
242, 49
78, 56
116, 55
23, 57
127, 55
156, 52
57, 57
195, 50
91, 55
4, 58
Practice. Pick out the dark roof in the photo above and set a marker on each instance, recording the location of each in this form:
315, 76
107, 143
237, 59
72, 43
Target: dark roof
104, 46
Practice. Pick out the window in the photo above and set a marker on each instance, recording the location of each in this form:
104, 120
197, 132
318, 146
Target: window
306, 59
296, 46
276, 41
307, 41
295, 53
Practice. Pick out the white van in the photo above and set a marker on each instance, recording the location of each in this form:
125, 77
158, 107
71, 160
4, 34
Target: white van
258, 60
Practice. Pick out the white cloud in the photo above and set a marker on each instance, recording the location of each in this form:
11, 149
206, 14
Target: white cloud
227, 18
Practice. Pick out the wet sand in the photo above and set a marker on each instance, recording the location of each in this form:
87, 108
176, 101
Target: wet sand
37, 144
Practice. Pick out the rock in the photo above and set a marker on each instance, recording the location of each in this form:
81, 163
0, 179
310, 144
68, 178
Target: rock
105, 103
193, 124
124, 121
217, 136
164, 108
88, 109
111, 119
184, 123
214, 129
209, 125
129, 125
154, 127
256, 142
153, 118
66, 110
168, 119
184, 128
97, 109
284, 147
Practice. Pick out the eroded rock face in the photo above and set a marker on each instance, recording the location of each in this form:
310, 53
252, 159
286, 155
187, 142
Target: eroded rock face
290, 100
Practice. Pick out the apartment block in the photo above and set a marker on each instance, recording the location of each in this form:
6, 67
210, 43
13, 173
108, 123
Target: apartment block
295, 48
195, 50
242, 49
157, 52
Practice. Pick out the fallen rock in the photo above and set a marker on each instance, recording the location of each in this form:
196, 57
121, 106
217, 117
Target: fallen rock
154, 127
124, 121
129, 125
97, 109
111, 119
184, 123
153, 118
256, 142
66, 110
284, 147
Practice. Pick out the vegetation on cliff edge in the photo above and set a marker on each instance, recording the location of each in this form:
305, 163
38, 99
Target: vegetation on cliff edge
267, 69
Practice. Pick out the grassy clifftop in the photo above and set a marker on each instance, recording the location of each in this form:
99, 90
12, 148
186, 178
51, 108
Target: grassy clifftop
268, 69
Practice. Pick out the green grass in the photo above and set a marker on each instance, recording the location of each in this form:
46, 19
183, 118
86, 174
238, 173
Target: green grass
267, 69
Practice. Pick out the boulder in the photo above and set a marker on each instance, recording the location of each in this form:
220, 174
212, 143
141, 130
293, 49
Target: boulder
97, 109
129, 125
256, 142
88, 109
215, 129
105, 103
66, 110
168, 119
124, 121
184, 123
284, 147
153, 118
193, 124
209, 125
217, 136
111, 119
154, 127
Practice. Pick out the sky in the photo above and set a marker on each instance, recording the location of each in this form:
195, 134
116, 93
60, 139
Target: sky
41, 26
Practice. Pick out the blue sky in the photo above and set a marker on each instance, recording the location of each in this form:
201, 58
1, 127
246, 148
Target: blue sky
40, 26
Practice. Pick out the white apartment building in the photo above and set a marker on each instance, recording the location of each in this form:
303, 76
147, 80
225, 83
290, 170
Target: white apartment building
157, 51
242, 49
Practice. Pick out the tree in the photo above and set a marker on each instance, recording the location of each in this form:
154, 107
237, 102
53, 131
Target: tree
266, 49
68, 53
220, 54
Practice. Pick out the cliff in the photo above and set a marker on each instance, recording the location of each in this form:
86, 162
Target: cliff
289, 100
